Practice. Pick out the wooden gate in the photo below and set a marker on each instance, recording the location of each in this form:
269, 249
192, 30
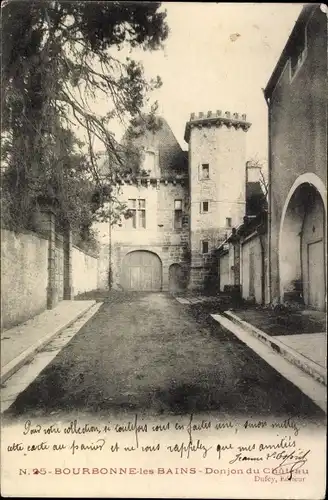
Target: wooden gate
316, 275
141, 270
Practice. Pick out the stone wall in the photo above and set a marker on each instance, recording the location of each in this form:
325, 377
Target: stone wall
224, 270
168, 256
222, 147
219, 142
24, 276
298, 128
159, 236
84, 271
104, 254
166, 182
244, 264
28, 264
59, 267
251, 268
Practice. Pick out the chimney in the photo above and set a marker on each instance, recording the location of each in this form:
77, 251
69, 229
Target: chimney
253, 172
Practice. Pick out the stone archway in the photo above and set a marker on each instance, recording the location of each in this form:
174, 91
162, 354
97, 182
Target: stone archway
177, 278
302, 245
141, 271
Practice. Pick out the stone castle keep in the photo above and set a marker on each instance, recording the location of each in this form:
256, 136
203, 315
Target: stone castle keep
182, 210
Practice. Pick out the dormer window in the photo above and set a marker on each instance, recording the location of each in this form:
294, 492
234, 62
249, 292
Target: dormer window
150, 162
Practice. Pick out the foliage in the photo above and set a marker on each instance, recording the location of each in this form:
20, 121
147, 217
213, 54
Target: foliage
58, 58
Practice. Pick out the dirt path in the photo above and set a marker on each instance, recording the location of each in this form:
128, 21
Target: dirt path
148, 353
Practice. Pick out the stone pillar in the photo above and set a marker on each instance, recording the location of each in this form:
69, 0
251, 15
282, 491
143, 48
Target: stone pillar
45, 225
165, 276
104, 266
68, 270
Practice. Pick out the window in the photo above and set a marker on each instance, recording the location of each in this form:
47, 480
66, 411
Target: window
299, 52
177, 214
150, 162
142, 213
205, 171
138, 209
204, 207
228, 222
132, 207
204, 246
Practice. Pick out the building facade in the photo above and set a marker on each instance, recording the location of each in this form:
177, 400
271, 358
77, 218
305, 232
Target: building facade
181, 209
199, 219
217, 154
242, 256
296, 95
243, 260
150, 250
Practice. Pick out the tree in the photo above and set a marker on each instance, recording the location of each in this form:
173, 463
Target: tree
263, 180
57, 58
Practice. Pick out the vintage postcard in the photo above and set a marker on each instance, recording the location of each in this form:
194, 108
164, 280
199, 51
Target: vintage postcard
163, 249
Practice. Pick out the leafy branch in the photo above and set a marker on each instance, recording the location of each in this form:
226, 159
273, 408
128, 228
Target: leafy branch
58, 58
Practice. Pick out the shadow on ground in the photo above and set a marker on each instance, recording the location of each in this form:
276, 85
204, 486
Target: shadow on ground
149, 354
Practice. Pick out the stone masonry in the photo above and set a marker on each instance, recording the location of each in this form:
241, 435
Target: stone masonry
216, 140
166, 184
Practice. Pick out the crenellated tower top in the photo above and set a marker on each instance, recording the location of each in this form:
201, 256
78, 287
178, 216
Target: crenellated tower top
217, 119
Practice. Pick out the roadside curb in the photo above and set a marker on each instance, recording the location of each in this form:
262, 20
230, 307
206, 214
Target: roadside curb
310, 367
15, 364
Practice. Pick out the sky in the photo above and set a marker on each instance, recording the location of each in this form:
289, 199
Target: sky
203, 69
219, 56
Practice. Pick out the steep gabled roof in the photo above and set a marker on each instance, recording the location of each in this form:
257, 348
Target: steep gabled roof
172, 159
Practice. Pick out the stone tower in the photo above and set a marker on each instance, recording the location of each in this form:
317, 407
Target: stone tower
217, 187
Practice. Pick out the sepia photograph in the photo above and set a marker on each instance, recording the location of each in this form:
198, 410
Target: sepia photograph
163, 249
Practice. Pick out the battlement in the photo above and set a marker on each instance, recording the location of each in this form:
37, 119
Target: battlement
216, 118
201, 115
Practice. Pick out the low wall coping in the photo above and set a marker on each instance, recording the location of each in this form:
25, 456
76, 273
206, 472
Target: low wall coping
23, 231
88, 253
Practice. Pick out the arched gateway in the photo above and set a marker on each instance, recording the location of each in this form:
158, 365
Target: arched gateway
141, 270
302, 245
177, 278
